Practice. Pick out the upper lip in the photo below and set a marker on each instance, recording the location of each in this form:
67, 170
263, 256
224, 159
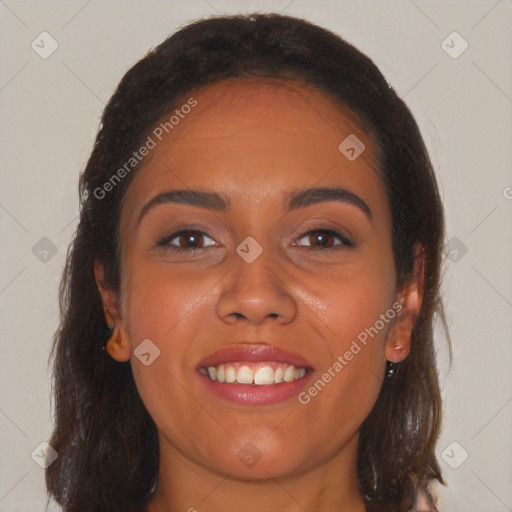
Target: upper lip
253, 352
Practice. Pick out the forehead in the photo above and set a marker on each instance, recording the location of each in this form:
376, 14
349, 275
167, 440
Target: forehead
238, 107
253, 139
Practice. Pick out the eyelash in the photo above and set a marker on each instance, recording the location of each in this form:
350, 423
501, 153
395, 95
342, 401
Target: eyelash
346, 243
165, 241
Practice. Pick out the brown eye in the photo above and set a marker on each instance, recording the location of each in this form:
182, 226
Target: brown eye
190, 239
319, 239
186, 240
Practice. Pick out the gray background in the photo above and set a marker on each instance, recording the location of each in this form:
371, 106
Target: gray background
50, 113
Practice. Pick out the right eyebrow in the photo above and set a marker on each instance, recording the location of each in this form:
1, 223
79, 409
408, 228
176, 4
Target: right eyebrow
201, 198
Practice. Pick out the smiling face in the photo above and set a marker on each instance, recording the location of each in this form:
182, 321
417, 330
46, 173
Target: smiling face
265, 249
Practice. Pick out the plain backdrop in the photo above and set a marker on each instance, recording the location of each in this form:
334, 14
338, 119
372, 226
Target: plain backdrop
462, 99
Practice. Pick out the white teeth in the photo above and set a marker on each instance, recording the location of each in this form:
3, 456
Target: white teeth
289, 374
255, 374
212, 372
264, 375
245, 375
299, 373
230, 374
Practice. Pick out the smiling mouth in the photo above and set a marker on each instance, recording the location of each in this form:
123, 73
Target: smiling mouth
255, 374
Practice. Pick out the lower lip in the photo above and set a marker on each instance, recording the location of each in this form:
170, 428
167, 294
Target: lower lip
251, 394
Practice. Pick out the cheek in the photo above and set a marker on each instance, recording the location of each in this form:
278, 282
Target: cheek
166, 308
351, 302
161, 303
354, 313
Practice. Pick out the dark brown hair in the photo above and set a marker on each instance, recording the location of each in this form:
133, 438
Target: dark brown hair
106, 440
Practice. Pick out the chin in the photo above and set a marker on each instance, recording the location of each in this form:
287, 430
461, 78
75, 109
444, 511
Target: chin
249, 460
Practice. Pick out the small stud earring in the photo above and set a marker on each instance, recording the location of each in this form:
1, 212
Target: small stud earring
390, 369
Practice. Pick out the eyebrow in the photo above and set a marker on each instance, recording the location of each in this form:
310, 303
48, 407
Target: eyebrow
305, 197
295, 199
201, 198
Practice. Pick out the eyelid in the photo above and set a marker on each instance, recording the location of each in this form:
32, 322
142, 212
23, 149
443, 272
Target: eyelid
343, 241
346, 241
164, 241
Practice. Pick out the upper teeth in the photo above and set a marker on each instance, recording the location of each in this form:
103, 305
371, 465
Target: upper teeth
262, 374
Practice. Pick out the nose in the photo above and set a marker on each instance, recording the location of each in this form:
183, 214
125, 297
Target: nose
257, 293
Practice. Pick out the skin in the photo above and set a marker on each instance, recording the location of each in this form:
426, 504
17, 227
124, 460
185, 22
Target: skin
253, 142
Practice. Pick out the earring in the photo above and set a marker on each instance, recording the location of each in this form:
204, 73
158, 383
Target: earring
390, 369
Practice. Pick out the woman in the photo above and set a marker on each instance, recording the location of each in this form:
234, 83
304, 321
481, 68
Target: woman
247, 306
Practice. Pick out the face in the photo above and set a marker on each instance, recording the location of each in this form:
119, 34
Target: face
255, 250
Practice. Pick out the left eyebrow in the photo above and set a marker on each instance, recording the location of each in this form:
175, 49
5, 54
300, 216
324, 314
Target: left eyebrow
308, 196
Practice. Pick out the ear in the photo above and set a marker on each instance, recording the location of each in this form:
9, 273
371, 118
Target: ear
398, 344
118, 345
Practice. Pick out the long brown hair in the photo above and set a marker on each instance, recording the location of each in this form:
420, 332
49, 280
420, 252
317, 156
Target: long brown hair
106, 440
